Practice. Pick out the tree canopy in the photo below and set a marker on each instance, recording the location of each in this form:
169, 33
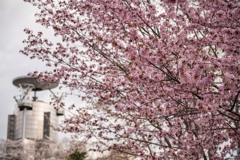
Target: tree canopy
161, 77
76, 155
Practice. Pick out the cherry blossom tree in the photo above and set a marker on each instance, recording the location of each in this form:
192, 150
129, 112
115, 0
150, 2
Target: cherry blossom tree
49, 150
11, 150
33, 149
116, 155
160, 77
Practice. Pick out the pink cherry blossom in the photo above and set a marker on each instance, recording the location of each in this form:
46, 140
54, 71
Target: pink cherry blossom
160, 78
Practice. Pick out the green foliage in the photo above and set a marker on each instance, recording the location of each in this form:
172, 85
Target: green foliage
76, 155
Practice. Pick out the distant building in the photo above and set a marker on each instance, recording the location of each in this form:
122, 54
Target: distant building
31, 119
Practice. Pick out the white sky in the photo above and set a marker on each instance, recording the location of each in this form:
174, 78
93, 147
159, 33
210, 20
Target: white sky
15, 15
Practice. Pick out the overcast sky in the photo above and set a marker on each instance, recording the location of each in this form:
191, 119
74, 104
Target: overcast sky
15, 15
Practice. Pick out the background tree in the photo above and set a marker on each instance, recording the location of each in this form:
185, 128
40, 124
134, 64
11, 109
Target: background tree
76, 155
160, 77
49, 150
38, 150
12, 150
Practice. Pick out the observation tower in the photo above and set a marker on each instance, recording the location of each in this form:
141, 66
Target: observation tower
32, 117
